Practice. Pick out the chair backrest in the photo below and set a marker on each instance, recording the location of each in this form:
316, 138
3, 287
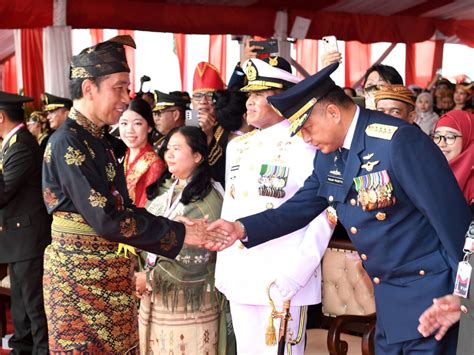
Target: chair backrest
346, 287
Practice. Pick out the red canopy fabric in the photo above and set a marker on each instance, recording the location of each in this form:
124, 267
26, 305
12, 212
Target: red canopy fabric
367, 28
463, 29
218, 53
180, 45
164, 17
97, 35
26, 13
9, 81
32, 63
307, 55
257, 17
422, 60
357, 61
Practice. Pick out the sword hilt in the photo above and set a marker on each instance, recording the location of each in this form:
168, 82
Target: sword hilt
284, 315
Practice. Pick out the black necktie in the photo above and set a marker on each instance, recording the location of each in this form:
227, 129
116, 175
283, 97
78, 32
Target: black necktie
341, 158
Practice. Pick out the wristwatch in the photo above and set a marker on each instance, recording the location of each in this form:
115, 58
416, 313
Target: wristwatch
244, 237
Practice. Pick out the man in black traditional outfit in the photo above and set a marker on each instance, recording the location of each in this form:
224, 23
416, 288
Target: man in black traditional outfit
88, 287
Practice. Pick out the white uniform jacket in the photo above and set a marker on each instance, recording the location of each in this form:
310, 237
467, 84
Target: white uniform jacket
264, 168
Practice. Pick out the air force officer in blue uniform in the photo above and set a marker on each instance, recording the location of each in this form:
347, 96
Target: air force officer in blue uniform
392, 190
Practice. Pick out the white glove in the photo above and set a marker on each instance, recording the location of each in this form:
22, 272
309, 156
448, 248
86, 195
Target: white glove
287, 288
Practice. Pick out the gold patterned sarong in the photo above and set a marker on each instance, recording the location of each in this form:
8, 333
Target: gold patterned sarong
88, 291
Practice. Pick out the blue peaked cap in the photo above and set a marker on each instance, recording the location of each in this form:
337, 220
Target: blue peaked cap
296, 103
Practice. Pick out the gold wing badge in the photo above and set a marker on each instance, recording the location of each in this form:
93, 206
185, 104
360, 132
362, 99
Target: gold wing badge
369, 166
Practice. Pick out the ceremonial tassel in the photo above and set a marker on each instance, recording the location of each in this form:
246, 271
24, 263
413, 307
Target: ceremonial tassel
123, 250
270, 333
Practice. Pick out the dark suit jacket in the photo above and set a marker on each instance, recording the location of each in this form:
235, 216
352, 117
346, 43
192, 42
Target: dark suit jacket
25, 226
411, 254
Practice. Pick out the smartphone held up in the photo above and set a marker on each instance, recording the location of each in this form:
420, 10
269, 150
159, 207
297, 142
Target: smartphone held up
192, 118
330, 44
268, 46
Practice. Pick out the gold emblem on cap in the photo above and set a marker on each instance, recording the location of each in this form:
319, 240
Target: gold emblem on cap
80, 73
273, 61
251, 71
381, 131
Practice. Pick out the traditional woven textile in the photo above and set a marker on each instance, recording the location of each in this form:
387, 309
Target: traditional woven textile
88, 291
180, 332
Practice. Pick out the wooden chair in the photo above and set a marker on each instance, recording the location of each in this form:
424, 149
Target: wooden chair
348, 304
5, 295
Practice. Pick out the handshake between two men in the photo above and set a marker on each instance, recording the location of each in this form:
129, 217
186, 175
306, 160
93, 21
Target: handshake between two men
220, 235
214, 236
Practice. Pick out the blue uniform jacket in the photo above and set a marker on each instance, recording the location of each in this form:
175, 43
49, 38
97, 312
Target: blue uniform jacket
412, 254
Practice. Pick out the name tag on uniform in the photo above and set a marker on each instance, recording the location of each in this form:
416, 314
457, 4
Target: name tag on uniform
335, 180
463, 278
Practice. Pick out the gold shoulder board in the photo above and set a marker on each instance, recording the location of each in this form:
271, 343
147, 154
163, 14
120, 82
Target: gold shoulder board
246, 135
381, 131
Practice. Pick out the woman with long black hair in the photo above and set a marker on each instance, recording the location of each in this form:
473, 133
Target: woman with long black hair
178, 309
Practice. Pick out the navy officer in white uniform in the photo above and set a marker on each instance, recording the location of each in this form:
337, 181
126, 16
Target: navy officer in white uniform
264, 168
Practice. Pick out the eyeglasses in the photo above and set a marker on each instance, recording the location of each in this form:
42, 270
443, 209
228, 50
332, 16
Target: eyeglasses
160, 112
448, 138
200, 95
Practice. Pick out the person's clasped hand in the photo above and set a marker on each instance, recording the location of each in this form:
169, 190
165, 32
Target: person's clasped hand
197, 233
